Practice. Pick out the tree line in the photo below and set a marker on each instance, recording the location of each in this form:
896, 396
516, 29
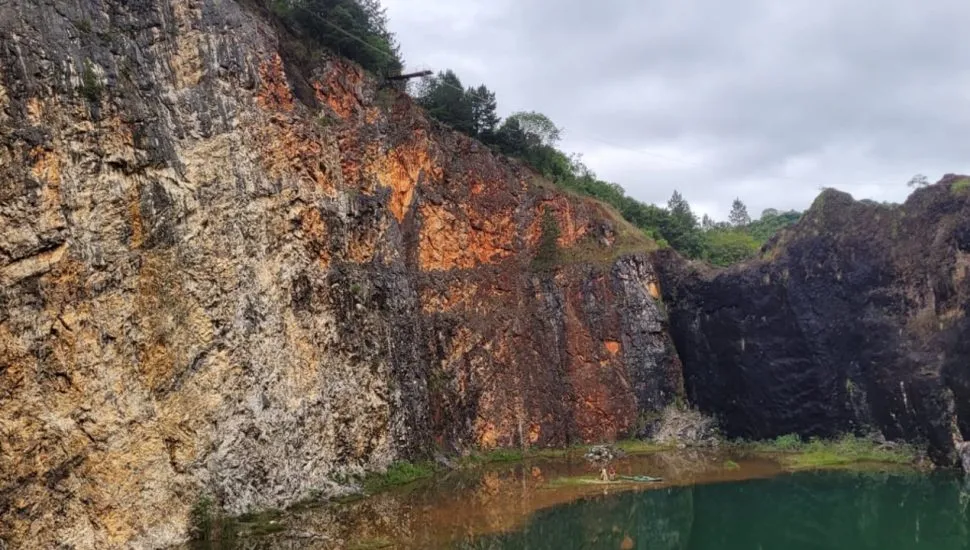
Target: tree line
532, 137
357, 29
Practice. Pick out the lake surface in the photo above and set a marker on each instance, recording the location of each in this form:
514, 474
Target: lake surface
708, 500
823, 510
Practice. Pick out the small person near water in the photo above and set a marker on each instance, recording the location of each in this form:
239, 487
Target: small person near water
608, 473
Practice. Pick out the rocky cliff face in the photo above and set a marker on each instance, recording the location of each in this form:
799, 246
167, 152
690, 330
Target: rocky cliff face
855, 320
229, 267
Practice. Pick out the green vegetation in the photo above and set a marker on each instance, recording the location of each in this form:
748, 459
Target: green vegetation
725, 244
731, 465
399, 473
355, 29
640, 446
547, 251
848, 449
208, 523
83, 25
770, 223
790, 442
470, 111
961, 186
202, 517
497, 456
730, 246
91, 87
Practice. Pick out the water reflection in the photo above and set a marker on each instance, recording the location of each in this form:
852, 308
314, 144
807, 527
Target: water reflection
827, 510
702, 504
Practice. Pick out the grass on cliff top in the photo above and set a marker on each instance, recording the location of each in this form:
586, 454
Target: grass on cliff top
848, 449
628, 238
961, 186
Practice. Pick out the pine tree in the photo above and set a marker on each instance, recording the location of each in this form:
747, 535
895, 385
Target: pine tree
445, 99
356, 29
484, 117
739, 214
680, 228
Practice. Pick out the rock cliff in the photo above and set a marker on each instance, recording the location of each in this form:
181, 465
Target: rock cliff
230, 266
854, 320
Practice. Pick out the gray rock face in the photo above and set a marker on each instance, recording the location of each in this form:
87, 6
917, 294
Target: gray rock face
225, 272
963, 452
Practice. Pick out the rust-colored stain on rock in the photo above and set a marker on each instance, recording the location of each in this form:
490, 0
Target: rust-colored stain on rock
450, 241
274, 93
400, 171
612, 347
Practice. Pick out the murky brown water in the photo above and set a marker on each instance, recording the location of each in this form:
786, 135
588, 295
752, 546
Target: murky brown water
463, 505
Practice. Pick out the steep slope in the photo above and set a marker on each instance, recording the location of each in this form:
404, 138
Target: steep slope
231, 268
854, 320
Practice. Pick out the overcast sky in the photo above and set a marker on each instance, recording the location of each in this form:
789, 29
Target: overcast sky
766, 100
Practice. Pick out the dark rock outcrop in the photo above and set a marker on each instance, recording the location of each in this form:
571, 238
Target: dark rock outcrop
853, 320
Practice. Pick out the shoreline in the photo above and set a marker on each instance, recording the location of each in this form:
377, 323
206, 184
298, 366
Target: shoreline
496, 493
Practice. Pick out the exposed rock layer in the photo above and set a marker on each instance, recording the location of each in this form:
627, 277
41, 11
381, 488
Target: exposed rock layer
854, 320
225, 269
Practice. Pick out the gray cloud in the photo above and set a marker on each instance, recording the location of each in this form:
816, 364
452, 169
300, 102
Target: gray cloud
760, 99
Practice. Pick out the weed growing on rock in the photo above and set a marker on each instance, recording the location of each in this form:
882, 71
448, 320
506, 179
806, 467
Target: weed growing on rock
399, 473
203, 517
91, 87
547, 251
790, 442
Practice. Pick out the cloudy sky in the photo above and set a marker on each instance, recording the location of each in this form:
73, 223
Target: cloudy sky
765, 100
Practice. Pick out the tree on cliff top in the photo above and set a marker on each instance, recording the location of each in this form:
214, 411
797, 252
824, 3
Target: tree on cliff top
471, 111
540, 129
739, 214
919, 180
355, 29
445, 99
680, 227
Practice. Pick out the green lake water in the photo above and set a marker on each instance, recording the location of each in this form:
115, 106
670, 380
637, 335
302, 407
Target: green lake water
817, 510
